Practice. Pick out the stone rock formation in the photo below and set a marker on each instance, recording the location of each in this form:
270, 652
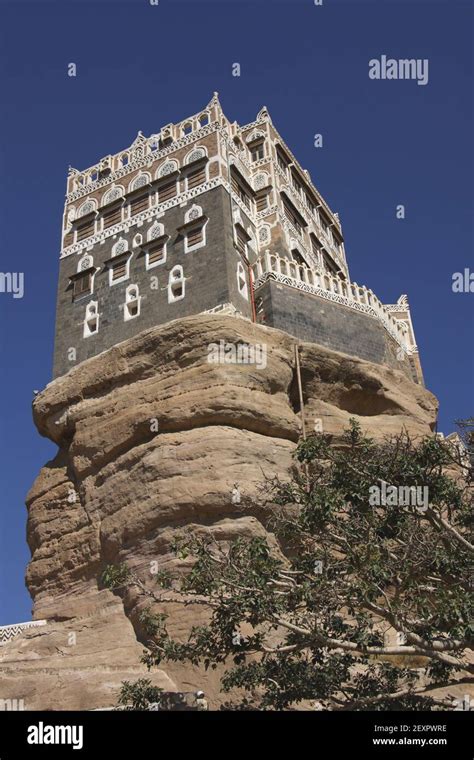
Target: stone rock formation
153, 438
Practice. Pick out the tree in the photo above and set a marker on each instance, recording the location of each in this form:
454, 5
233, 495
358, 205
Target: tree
367, 603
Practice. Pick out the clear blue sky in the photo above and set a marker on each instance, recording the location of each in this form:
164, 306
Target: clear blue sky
141, 67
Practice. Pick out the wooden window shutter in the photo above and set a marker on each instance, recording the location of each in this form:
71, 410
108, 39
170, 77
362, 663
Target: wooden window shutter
241, 239
112, 216
167, 191
156, 253
195, 236
82, 285
85, 230
119, 270
262, 202
139, 204
196, 177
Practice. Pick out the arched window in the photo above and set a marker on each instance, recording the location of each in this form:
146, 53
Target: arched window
169, 167
85, 263
155, 231
132, 303
91, 320
195, 230
119, 265
203, 119
242, 281
83, 280
112, 195
120, 247
176, 284
187, 128
86, 208
139, 181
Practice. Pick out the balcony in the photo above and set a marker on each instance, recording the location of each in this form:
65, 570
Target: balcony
325, 285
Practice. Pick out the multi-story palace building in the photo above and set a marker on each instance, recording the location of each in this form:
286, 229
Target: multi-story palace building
209, 216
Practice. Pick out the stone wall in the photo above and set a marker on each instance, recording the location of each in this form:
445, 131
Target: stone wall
311, 318
210, 274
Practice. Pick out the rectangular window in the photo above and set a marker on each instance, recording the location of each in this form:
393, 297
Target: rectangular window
85, 230
112, 216
196, 177
167, 191
139, 204
257, 151
195, 236
262, 202
296, 184
291, 216
119, 270
156, 253
315, 247
281, 160
241, 239
82, 285
240, 192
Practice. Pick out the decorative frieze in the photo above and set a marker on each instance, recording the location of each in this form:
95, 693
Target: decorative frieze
8, 632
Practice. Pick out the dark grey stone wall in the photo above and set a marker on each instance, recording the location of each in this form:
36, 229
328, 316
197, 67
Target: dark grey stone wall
210, 274
316, 320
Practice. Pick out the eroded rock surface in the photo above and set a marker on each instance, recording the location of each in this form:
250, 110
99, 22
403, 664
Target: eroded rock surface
153, 438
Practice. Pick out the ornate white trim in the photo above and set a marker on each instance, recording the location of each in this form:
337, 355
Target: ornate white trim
358, 298
144, 216
115, 192
141, 180
89, 205
168, 167
137, 163
199, 151
8, 632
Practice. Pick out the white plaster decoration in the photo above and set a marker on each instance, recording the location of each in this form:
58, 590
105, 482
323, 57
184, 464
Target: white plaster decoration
254, 135
140, 181
176, 284
82, 185
195, 212
8, 632
155, 231
264, 234
132, 303
152, 212
113, 194
91, 320
85, 263
242, 281
167, 168
137, 240
260, 180
86, 208
195, 155
359, 298
120, 247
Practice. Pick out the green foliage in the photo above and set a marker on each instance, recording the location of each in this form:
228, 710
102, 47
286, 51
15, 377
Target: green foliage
138, 695
116, 576
306, 622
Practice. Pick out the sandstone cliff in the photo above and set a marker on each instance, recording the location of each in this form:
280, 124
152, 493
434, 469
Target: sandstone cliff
119, 488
